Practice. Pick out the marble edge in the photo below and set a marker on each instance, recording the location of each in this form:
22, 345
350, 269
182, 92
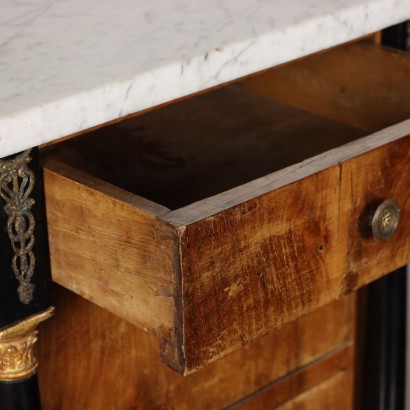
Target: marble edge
114, 100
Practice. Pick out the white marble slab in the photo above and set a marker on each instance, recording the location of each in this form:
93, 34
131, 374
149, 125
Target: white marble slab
68, 65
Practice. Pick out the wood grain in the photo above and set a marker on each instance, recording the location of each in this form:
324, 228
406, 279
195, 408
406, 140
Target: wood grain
364, 85
107, 246
257, 266
368, 180
91, 359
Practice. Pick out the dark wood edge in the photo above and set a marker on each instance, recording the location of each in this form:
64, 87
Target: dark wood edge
119, 194
235, 196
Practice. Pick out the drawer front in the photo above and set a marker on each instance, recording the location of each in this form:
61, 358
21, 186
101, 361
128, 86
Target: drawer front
327, 384
261, 264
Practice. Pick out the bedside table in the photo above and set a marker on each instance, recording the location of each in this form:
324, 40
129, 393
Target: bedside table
231, 224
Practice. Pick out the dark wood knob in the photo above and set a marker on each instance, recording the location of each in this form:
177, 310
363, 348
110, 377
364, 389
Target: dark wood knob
385, 220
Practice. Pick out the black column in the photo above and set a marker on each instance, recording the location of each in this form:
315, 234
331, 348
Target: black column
20, 395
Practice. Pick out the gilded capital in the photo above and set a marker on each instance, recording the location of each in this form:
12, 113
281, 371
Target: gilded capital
17, 360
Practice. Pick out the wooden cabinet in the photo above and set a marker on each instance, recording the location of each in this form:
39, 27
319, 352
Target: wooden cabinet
91, 359
216, 220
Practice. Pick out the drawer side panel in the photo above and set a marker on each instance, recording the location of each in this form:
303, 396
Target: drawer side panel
108, 246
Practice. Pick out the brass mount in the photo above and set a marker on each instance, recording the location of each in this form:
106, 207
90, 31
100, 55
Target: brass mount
17, 360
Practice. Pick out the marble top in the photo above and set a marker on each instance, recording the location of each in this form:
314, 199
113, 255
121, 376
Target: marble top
68, 65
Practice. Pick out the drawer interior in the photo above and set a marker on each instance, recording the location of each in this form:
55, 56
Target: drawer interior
203, 146
213, 142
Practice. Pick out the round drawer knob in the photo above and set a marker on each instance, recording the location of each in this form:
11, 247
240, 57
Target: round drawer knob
385, 220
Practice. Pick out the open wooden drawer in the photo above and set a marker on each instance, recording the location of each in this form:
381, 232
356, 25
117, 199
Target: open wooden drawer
214, 220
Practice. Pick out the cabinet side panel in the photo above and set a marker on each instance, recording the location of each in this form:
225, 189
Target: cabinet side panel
111, 364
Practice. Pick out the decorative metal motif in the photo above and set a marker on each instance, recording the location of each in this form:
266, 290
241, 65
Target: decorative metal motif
385, 219
16, 185
17, 360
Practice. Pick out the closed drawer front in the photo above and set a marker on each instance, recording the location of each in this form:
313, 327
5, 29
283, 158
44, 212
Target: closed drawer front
217, 219
326, 384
